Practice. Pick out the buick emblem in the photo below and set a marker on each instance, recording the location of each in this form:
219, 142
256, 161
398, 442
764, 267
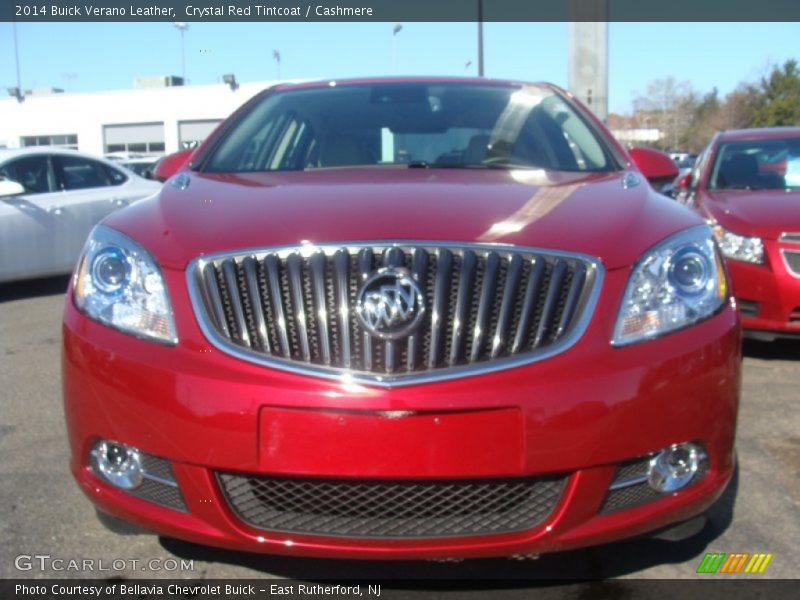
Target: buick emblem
390, 304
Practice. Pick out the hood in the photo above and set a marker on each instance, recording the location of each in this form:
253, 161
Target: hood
588, 213
762, 213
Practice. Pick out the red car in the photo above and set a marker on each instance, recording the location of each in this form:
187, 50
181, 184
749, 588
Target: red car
747, 184
403, 318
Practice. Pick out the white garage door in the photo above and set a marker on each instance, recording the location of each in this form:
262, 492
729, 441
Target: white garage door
147, 138
191, 133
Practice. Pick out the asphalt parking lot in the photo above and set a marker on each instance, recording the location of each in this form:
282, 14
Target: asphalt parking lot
42, 510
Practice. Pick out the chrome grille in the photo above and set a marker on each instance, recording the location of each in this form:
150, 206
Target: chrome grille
790, 237
391, 509
488, 307
792, 260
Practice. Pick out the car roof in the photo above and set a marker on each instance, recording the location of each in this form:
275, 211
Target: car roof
759, 133
386, 80
9, 153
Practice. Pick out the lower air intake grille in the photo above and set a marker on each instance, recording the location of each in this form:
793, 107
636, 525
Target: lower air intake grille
629, 486
748, 308
391, 509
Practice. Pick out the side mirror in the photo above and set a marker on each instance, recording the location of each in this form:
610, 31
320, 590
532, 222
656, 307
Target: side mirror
657, 167
10, 188
170, 164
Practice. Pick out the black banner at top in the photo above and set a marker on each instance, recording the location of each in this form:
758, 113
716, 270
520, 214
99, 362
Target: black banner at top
398, 10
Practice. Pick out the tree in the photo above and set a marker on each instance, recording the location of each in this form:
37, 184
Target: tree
740, 107
779, 103
666, 102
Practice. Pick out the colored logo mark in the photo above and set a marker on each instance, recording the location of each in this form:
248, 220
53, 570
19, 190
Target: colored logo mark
735, 562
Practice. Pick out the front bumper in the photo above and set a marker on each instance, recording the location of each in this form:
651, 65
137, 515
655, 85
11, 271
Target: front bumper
768, 294
578, 414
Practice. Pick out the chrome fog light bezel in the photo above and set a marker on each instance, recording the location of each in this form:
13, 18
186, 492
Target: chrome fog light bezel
666, 477
125, 474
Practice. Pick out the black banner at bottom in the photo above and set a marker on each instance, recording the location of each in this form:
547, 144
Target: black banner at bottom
272, 589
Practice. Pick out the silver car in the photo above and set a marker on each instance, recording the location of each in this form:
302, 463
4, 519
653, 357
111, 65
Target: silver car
49, 201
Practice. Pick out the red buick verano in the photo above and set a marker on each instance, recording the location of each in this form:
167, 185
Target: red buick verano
403, 318
747, 184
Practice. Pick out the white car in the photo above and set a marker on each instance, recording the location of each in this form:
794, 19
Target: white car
143, 167
49, 201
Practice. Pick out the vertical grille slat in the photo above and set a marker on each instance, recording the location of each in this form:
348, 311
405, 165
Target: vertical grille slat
320, 305
485, 304
571, 303
444, 262
212, 288
341, 261
295, 266
419, 270
249, 265
273, 277
481, 304
506, 312
392, 257
532, 292
365, 262
229, 273
468, 263
553, 290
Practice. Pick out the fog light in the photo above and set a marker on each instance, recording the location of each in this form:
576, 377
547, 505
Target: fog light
118, 464
675, 467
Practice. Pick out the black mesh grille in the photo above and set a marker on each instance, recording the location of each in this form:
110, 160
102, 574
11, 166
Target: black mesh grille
158, 467
158, 485
391, 509
748, 308
629, 496
491, 305
160, 493
638, 493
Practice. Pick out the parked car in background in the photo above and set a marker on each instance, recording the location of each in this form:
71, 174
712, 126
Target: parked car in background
143, 167
170, 164
49, 203
122, 156
682, 159
747, 183
404, 318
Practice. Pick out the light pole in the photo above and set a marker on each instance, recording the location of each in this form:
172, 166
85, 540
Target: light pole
182, 27
277, 56
20, 95
480, 38
397, 29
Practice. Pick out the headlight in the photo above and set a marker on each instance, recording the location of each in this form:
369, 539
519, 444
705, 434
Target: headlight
739, 247
679, 282
119, 284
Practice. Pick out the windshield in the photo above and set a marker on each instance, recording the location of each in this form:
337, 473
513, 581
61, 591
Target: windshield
771, 164
411, 124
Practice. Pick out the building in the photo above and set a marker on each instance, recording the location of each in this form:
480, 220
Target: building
156, 117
